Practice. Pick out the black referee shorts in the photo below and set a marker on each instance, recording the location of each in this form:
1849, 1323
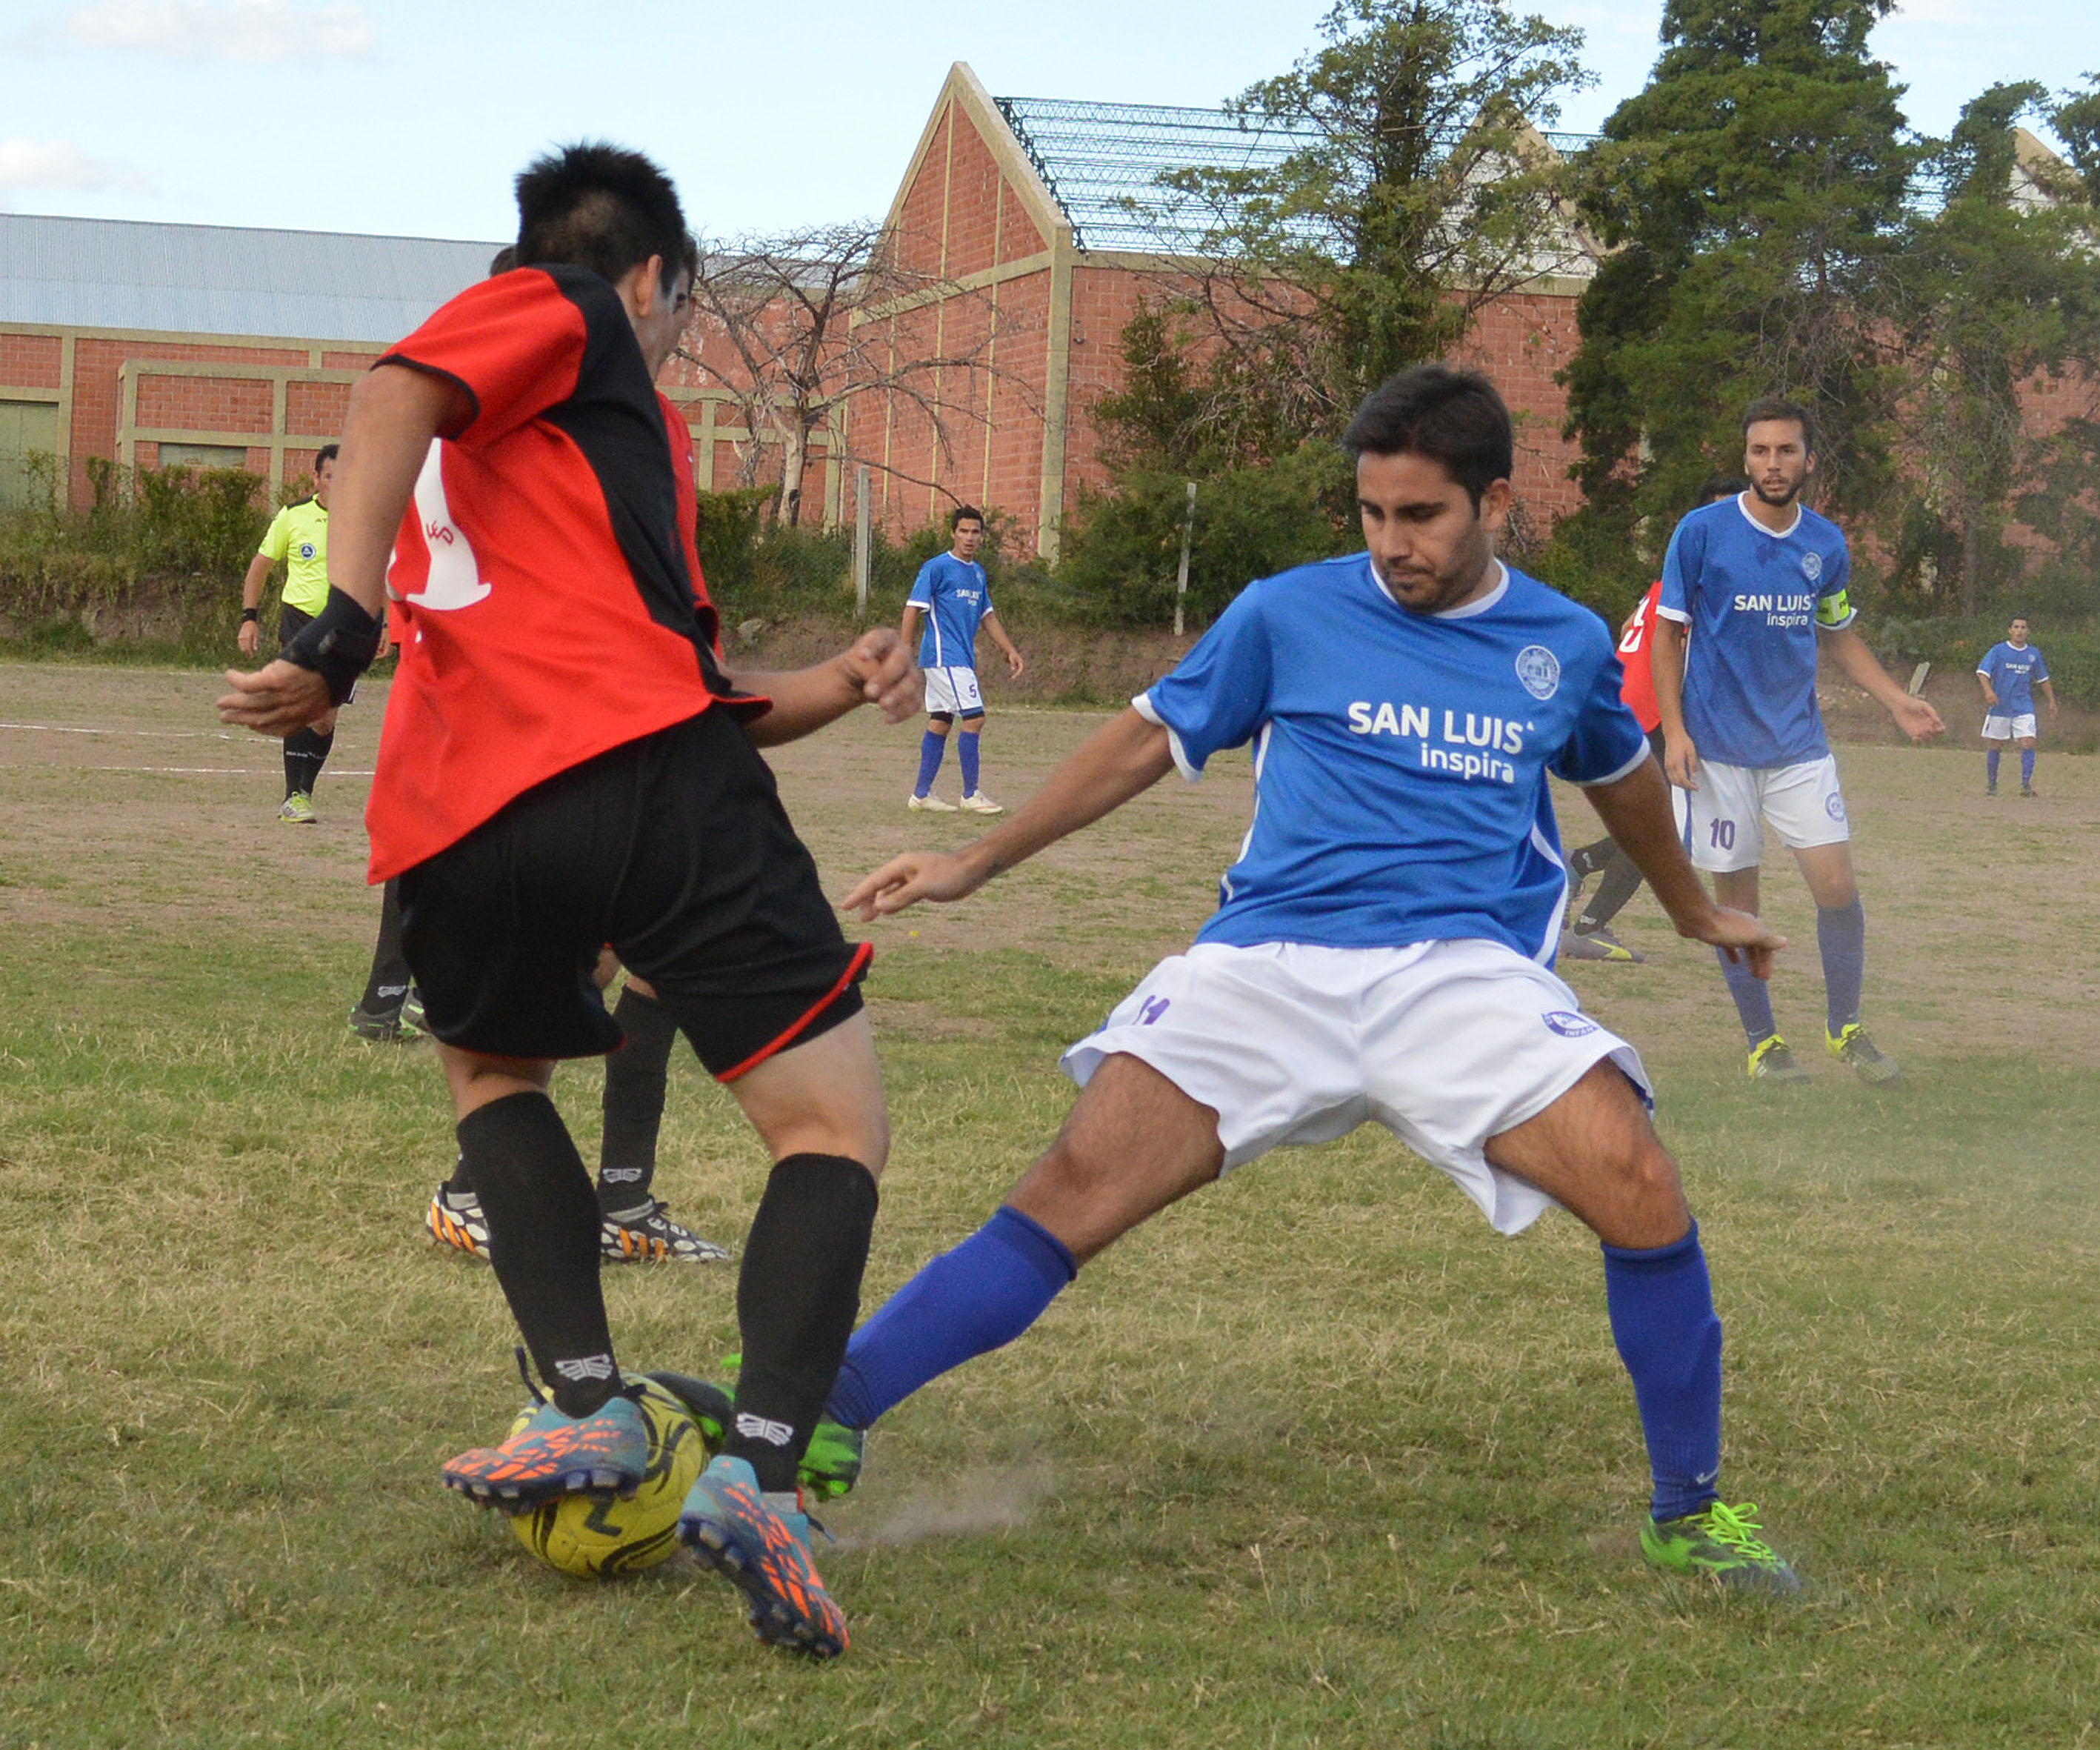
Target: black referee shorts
291, 622
675, 850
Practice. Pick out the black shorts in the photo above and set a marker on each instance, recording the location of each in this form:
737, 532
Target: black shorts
674, 850
291, 622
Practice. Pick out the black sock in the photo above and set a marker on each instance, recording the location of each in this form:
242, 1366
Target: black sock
543, 1225
461, 1184
1587, 860
634, 1081
795, 1301
390, 978
1621, 881
306, 752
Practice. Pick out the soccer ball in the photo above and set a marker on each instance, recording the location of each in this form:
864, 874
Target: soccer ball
598, 1537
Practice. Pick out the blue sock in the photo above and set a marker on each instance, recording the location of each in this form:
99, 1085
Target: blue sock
931, 747
967, 1302
967, 749
2027, 768
1661, 1307
1753, 997
1841, 931
1990, 768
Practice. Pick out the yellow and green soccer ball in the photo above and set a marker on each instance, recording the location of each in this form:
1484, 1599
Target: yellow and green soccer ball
601, 1538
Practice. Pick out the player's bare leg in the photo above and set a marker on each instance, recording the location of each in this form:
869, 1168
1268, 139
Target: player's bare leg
1594, 1152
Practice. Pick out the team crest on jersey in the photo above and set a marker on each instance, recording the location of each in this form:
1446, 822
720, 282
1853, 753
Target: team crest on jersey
306, 549
1567, 1024
1539, 670
1811, 566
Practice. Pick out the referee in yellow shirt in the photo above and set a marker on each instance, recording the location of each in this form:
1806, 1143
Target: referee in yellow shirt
298, 539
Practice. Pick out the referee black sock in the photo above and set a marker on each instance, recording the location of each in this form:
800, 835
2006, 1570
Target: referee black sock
635, 1077
543, 1227
306, 752
795, 1301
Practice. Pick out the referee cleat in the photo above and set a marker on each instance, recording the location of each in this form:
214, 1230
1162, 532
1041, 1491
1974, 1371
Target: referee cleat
1852, 1046
761, 1544
1722, 1542
604, 1453
829, 1468
648, 1235
930, 803
455, 1220
977, 803
299, 810
1601, 936
1771, 1060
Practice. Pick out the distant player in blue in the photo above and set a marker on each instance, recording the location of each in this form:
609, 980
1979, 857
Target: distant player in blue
2009, 673
1751, 587
954, 594
1382, 950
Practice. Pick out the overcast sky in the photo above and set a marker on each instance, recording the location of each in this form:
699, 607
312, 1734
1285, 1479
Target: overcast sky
410, 115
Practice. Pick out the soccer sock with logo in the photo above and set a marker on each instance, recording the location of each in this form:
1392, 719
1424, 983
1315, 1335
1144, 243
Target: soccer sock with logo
966, 750
931, 747
1841, 932
2027, 768
1753, 997
390, 978
1621, 881
306, 752
795, 1300
1585, 860
635, 1076
542, 1225
966, 1302
1991, 767
1661, 1301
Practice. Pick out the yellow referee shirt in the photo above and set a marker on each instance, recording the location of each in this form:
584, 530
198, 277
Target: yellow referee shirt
298, 540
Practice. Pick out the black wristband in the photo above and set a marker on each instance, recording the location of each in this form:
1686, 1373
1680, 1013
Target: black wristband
338, 644
249, 616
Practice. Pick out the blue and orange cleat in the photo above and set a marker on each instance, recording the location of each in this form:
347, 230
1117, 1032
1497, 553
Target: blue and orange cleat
604, 1453
761, 1544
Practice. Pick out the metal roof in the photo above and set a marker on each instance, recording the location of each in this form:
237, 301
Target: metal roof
1103, 163
315, 286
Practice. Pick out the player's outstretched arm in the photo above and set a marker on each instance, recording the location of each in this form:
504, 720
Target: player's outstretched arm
1126, 755
1914, 716
876, 669
1636, 812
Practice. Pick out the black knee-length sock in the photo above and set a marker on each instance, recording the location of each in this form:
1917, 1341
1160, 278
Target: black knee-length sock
635, 1077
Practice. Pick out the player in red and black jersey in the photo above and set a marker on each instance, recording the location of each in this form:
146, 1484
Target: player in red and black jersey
566, 763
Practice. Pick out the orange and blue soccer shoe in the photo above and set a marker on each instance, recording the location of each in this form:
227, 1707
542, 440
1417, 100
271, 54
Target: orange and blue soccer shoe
604, 1453
761, 1544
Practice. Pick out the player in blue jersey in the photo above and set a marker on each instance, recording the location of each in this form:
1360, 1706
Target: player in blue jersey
955, 595
1383, 947
1751, 587
2009, 673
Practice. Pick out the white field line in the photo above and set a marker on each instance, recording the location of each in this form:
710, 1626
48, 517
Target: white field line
222, 772
178, 735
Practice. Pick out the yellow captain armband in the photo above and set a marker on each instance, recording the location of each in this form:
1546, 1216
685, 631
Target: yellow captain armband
1834, 611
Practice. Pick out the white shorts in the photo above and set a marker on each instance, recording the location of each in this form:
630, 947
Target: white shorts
1446, 1044
1722, 821
2001, 728
953, 692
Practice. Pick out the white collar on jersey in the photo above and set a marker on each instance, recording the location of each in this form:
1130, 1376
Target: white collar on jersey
1777, 534
1479, 605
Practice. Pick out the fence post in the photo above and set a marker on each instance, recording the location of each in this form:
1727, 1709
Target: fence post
1181, 576
861, 555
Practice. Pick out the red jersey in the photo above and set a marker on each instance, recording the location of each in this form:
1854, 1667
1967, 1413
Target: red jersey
1637, 655
545, 567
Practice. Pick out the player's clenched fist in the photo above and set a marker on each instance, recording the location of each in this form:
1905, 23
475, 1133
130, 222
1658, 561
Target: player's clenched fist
880, 664
906, 880
278, 698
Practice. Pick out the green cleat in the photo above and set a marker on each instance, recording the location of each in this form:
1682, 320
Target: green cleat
1722, 1541
829, 1468
1852, 1047
1771, 1060
299, 810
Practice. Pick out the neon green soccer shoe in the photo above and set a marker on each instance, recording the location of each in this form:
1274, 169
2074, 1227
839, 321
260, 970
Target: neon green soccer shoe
1852, 1048
1722, 1541
1771, 1060
829, 1468
299, 810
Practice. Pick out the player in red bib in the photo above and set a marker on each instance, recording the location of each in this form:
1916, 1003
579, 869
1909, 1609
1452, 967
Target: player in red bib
1589, 935
566, 763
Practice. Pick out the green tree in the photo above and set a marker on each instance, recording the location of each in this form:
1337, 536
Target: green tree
1754, 198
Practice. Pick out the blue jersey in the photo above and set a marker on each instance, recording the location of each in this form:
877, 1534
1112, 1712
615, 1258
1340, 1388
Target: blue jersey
1752, 601
956, 597
2012, 671
1400, 759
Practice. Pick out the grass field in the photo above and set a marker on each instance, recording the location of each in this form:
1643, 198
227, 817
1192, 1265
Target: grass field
1316, 1459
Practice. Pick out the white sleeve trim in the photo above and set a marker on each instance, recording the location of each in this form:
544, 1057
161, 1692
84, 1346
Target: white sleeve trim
1143, 705
1626, 770
1677, 614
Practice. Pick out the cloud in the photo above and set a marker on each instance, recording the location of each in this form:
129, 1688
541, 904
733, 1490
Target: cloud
60, 166
227, 30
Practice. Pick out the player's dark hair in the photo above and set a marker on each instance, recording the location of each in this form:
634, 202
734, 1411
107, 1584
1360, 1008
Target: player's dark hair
964, 513
327, 452
1454, 417
1722, 486
600, 206
503, 260
1778, 407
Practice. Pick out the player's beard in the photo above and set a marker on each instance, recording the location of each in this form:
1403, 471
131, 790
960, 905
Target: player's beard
1785, 499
